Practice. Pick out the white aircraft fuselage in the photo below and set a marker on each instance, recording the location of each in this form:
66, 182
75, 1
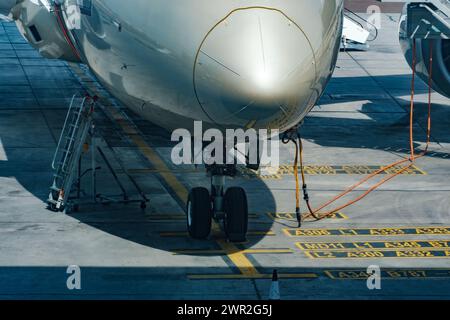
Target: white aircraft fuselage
229, 63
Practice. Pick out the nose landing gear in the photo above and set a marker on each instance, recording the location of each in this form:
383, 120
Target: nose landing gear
199, 213
229, 207
236, 214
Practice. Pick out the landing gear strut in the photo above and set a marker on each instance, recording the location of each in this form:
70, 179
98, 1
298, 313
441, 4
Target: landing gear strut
229, 206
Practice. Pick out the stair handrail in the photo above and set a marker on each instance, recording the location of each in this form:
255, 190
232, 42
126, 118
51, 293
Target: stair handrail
61, 137
351, 14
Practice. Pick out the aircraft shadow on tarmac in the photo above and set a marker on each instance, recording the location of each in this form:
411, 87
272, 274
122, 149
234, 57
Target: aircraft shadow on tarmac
376, 133
166, 283
131, 223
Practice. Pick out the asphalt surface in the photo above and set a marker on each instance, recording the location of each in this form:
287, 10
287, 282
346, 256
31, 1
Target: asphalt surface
361, 124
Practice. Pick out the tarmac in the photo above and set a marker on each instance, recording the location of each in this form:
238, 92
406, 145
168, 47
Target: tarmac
124, 252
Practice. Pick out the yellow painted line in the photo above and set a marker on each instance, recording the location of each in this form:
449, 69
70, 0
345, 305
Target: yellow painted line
180, 234
200, 252
222, 252
144, 171
159, 164
310, 170
401, 231
288, 170
306, 232
256, 276
232, 252
340, 215
389, 274
345, 274
379, 254
256, 251
420, 170
261, 233
238, 258
162, 217
375, 245
288, 216
250, 124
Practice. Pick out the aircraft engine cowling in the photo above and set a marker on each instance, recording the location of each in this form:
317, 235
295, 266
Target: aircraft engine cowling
441, 58
38, 23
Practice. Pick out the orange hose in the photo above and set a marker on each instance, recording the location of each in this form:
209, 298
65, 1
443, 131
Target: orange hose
430, 82
411, 114
316, 212
297, 183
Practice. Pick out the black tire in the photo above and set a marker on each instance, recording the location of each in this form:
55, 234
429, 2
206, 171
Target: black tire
198, 213
236, 211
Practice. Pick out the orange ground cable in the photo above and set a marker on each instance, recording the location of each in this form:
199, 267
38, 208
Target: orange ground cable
315, 213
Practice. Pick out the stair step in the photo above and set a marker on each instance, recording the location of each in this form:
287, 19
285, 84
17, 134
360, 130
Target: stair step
59, 164
52, 188
77, 127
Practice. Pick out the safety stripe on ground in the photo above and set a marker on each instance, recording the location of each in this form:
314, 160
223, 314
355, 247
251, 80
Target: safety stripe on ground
401, 231
343, 274
293, 217
182, 217
378, 254
378, 245
222, 252
184, 234
288, 170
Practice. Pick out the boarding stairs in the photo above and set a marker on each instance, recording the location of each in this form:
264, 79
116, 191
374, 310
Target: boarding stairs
429, 19
78, 123
357, 32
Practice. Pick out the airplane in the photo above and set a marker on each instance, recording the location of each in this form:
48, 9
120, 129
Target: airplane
228, 63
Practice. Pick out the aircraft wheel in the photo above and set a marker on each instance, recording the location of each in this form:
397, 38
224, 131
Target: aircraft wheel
236, 211
199, 213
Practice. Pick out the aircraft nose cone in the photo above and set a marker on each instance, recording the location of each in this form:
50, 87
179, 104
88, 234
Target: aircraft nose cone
255, 68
